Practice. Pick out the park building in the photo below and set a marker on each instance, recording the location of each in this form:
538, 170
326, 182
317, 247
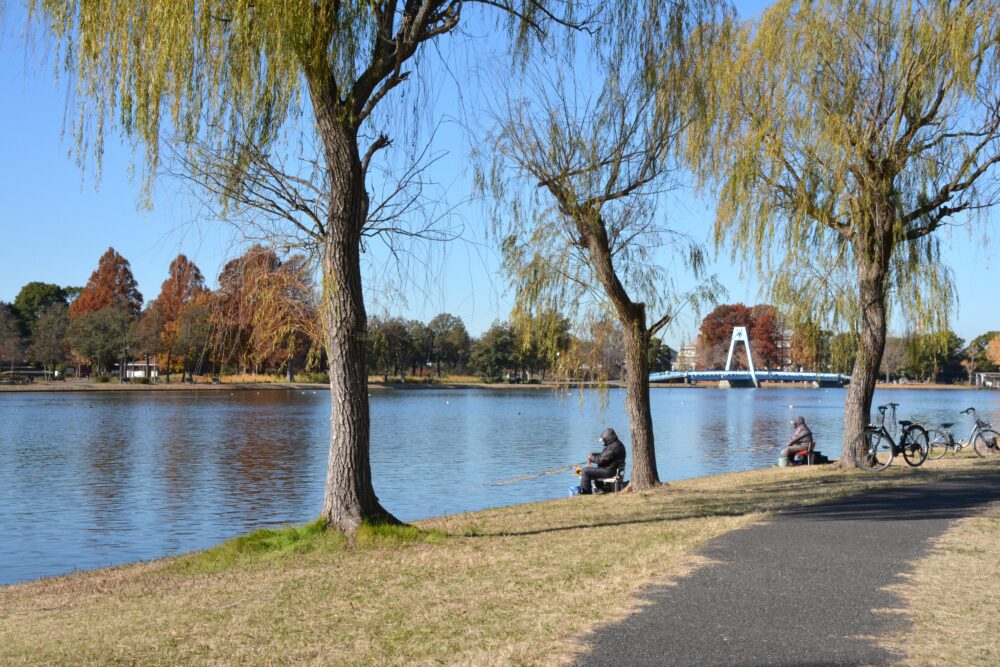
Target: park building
687, 358
142, 369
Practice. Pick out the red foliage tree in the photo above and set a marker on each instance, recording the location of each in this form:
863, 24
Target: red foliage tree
112, 285
763, 329
765, 336
717, 330
184, 283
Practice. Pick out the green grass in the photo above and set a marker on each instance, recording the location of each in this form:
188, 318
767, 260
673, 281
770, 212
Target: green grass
261, 545
267, 544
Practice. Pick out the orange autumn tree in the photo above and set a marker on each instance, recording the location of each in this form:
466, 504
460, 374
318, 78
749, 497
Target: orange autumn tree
184, 285
192, 332
112, 285
234, 313
266, 313
286, 321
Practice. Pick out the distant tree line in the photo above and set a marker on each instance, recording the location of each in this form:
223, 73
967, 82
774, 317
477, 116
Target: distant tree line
264, 319
535, 349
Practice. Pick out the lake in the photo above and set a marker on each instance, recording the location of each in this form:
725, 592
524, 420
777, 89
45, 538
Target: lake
102, 478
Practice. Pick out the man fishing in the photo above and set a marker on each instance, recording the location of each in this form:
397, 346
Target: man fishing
605, 462
800, 442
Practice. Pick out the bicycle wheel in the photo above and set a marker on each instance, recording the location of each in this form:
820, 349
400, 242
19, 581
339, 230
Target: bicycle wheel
987, 444
938, 443
914, 445
872, 451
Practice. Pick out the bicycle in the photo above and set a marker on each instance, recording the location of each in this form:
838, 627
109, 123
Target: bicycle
984, 439
874, 448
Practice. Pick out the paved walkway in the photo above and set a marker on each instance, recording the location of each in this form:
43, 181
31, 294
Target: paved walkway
800, 589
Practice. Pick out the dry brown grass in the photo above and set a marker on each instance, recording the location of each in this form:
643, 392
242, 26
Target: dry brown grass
953, 597
246, 378
495, 587
426, 380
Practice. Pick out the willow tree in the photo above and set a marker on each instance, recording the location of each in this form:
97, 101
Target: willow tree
584, 157
236, 90
850, 133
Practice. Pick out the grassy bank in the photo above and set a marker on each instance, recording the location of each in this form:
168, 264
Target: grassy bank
953, 597
495, 587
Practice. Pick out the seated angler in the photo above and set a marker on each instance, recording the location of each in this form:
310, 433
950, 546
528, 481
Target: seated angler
605, 463
801, 442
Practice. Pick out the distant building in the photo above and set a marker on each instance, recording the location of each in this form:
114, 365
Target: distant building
135, 370
990, 380
785, 350
687, 358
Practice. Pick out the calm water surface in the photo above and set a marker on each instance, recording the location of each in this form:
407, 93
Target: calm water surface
95, 479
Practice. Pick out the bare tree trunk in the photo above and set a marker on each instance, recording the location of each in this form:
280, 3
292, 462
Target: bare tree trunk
350, 497
871, 346
644, 475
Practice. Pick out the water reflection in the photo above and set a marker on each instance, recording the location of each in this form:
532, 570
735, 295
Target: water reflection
88, 480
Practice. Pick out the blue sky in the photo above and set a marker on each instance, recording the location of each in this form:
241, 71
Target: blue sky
57, 220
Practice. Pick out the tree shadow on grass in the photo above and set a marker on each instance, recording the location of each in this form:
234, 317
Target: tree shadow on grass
950, 498
853, 498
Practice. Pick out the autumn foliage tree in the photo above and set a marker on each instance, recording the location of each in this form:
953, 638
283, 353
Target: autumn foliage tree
265, 310
766, 335
810, 346
763, 330
286, 319
993, 350
111, 285
184, 285
716, 331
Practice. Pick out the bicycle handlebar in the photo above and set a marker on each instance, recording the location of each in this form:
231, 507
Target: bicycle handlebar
968, 411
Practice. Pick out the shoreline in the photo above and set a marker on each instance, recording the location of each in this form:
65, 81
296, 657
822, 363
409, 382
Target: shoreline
55, 387
497, 586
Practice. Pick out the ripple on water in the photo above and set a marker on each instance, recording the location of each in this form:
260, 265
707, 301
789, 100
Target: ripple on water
88, 480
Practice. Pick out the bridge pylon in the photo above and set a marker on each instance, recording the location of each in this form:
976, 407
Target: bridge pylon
740, 335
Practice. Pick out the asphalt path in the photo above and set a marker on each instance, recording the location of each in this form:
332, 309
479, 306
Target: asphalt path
803, 588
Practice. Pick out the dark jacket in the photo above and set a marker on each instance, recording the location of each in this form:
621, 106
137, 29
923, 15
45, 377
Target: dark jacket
613, 454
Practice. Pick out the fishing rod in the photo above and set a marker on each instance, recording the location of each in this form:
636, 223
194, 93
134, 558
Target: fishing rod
521, 478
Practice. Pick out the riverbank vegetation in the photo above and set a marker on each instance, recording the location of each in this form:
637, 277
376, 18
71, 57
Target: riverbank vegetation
261, 325
494, 587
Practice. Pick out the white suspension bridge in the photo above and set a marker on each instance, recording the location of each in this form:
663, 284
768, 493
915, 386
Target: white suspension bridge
751, 377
